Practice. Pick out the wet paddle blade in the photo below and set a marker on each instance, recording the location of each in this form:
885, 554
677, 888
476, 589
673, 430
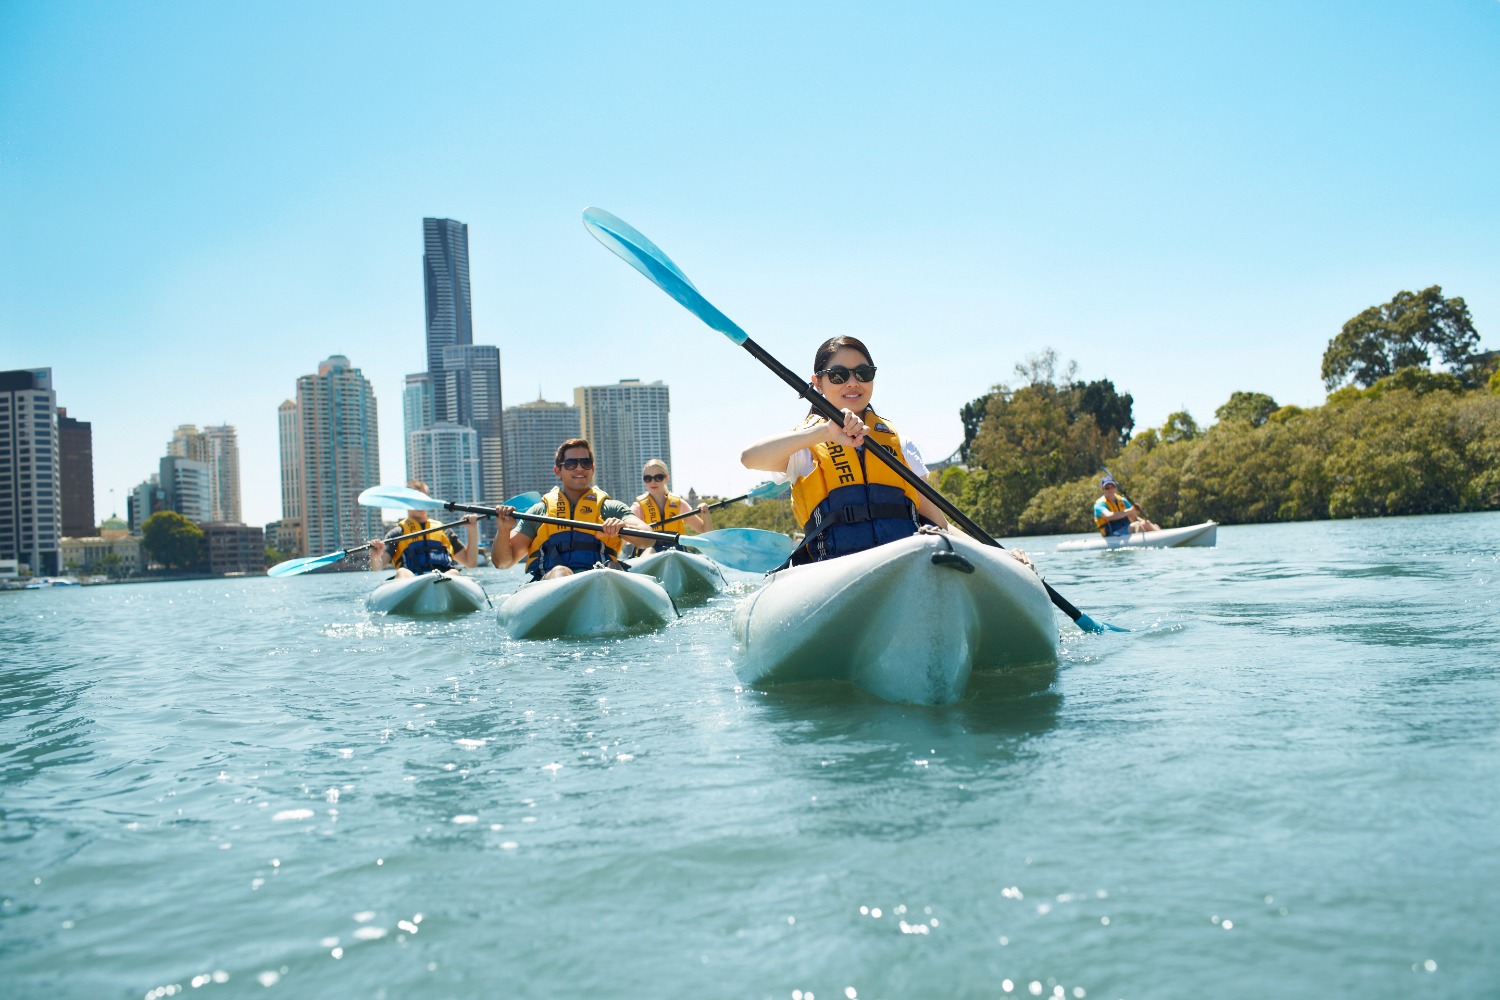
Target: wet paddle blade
307, 564
524, 501
750, 549
627, 243
769, 490
398, 498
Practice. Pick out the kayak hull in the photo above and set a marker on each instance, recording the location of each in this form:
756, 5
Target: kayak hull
687, 577
1204, 535
433, 593
908, 622
596, 602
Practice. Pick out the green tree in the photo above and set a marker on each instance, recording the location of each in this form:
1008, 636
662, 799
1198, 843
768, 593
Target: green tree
172, 540
1180, 426
1255, 408
1404, 332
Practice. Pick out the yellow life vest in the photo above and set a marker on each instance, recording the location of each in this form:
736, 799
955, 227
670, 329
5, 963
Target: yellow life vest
651, 513
1104, 524
836, 465
850, 502
557, 545
425, 546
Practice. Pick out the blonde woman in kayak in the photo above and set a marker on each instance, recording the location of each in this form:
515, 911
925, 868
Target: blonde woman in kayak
846, 500
658, 503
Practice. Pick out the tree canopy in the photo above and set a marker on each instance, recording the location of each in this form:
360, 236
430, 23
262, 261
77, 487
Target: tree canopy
172, 540
1255, 408
1404, 332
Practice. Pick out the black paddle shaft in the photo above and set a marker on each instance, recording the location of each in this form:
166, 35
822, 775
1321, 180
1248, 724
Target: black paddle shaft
958, 517
655, 536
690, 513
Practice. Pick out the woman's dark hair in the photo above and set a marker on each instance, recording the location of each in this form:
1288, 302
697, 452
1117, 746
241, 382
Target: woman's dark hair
829, 348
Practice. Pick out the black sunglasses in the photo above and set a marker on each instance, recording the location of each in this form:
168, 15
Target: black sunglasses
838, 374
576, 463
649, 478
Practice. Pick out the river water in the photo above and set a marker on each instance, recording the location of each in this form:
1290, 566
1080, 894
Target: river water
1285, 782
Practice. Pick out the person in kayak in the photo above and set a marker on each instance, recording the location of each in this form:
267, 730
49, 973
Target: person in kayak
1114, 514
657, 504
436, 550
846, 500
552, 550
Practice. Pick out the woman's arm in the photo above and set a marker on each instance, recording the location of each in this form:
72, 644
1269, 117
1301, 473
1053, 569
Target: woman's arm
772, 454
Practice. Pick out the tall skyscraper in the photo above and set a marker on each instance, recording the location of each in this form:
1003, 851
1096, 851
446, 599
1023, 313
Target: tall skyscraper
75, 443
532, 433
416, 411
445, 278
219, 450
289, 436
30, 518
188, 486
445, 456
470, 382
340, 456
626, 423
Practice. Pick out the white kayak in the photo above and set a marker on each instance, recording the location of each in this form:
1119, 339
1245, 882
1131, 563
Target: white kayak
908, 621
686, 576
592, 603
1205, 534
434, 593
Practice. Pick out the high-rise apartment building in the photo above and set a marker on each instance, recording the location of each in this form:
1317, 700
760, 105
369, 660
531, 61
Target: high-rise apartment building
532, 433
416, 411
470, 382
445, 279
340, 456
30, 516
626, 423
219, 450
75, 453
289, 437
445, 456
188, 487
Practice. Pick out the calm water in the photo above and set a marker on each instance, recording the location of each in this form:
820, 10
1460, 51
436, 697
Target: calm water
1285, 783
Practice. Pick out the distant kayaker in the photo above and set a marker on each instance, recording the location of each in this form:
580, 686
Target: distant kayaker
1116, 515
440, 550
846, 501
658, 503
551, 550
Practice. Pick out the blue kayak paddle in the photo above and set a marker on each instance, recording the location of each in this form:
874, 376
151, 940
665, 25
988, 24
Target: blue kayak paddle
306, 564
627, 243
749, 549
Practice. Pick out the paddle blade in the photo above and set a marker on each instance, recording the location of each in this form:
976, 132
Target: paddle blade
524, 501
769, 490
631, 246
307, 564
750, 549
398, 498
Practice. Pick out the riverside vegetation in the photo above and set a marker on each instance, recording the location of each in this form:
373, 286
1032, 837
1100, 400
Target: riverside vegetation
1394, 436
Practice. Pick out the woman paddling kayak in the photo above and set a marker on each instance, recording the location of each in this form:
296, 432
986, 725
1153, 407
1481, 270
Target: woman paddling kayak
657, 504
435, 550
846, 501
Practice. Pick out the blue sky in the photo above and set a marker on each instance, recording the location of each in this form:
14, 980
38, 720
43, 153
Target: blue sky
202, 201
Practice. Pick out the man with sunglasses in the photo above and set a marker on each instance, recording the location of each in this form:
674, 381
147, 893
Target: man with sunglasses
1116, 515
657, 504
552, 550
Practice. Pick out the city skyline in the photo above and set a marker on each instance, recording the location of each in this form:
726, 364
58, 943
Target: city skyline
1184, 200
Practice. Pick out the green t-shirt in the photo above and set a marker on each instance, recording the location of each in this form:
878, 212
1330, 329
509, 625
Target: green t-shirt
610, 508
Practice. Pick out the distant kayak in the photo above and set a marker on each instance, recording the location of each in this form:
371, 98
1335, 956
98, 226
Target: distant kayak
908, 621
433, 593
686, 576
594, 602
1205, 534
